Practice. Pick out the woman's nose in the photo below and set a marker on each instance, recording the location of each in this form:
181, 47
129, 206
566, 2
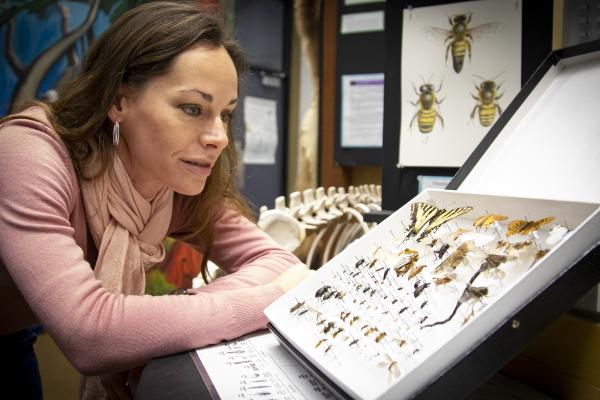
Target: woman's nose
215, 134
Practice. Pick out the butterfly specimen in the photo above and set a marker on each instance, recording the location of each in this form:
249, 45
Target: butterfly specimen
488, 219
521, 227
425, 214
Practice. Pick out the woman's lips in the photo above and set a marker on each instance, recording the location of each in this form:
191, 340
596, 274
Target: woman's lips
197, 167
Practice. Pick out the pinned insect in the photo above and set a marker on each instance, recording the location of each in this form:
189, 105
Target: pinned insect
454, 259
425, 214
487, 220
344, 315
439, 253
337, 332
354, 319
320, 342
415, 271
372, 263
352, 343
400, 342
402, 310
385, 274
405, 265
521, 227
296, 307
443, 279
539, 254
328, 327
370, 330
322, 291
419, 287
470, 292
392, 367
359, 262
380, 337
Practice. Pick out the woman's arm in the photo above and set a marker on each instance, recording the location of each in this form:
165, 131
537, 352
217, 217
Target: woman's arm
241, 249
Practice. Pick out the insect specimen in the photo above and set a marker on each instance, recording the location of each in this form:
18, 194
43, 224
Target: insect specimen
439, 253
344, 315
415, 271
328, 348
419, 287
385, 274
456, 234
443, 280
486, 106
354, 319
296, 307
487, 220
400, 342
328, 327
380, 337
521, 227
303, 312
426, 114
352, 343
392, 367
404, 266
454, 259
555, 234
423, 319
340, 295
460, 37
359, 262
470, 292
337, 332
433, 243
372, 263
424, 303
403, 309
328, 295
371, 330
320, 342
322, 291
423, 213
539, 254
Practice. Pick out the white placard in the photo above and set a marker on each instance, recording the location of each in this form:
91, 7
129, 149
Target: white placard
260, 123
444, 132
257, 367
371, 21
362, 110
432, 182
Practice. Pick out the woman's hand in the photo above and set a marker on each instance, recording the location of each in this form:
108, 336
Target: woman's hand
291, 277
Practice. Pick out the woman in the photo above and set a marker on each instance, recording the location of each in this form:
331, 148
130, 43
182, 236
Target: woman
136, 148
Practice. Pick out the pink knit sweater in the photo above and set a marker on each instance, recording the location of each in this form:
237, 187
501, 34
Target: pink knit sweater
43, 243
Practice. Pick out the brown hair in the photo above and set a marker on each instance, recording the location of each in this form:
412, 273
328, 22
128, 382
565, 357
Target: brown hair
139, 45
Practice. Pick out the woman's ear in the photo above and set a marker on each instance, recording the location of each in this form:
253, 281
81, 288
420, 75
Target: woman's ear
119, 107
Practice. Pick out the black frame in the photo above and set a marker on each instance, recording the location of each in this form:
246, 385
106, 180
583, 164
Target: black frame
399, 185
356, 53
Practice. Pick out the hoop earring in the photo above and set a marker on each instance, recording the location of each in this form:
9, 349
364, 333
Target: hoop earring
116, 133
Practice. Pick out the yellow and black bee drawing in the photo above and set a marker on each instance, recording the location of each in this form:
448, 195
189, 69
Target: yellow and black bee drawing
459, 38
487, 96
427, 113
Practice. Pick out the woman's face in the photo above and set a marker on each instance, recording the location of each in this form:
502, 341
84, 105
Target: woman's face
174, 129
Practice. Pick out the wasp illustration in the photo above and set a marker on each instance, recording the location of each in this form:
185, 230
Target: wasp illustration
459, 38
427, 113
488, 93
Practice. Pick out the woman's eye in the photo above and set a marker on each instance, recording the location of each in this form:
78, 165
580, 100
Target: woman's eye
226, 117
191, 109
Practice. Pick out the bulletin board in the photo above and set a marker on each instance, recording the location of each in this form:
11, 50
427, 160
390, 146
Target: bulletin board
399, 184
360, 64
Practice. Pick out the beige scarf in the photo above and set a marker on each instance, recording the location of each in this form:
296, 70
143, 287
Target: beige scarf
128, 232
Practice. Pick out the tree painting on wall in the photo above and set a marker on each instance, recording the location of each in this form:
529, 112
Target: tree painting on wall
42, 43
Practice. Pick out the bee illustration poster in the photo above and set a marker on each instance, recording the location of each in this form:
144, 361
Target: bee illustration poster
461, 67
